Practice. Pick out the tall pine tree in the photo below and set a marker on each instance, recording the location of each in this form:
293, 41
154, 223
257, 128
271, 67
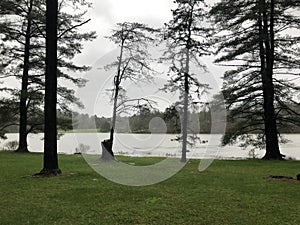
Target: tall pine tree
50, 142
259, 39
186, 38
23, 53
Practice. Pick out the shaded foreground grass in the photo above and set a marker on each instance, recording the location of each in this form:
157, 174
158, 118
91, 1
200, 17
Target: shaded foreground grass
228, 192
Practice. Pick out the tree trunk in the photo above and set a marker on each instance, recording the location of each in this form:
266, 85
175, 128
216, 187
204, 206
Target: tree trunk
267, 61
107, 152
185, 119
113, 123
185, 107
186, 89
24, 89
50, 142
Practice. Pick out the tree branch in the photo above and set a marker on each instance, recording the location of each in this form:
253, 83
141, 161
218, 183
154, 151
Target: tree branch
71, 28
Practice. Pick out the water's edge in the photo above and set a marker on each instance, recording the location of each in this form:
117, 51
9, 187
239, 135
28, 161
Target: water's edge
152, 145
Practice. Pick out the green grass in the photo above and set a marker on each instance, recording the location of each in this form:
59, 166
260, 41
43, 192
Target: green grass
228, 192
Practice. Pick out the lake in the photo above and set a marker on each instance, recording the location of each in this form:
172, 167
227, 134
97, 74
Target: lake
152, 145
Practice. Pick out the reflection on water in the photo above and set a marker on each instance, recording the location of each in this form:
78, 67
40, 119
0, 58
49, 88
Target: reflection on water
152, 145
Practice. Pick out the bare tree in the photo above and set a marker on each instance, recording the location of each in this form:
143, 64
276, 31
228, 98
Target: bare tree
133, 63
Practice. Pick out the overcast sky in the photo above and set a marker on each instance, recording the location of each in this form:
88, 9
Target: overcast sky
104, 15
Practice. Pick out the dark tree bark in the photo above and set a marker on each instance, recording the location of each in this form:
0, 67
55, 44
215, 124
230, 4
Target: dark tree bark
259, 99
50, 142
107, 152
24, 90
23, 55
267, 62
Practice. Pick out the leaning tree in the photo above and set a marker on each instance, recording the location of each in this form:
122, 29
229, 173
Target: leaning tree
260, 40
132, 64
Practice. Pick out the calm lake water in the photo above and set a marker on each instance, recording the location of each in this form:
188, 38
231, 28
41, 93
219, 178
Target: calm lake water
152, 145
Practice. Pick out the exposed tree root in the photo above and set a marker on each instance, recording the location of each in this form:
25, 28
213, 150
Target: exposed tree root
48, 173
22, 150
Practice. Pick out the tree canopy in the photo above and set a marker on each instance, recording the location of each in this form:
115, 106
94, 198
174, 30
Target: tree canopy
23, 56
186, 38
258, 39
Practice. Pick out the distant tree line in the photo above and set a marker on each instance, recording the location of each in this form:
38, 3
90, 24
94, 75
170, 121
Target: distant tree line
138, 122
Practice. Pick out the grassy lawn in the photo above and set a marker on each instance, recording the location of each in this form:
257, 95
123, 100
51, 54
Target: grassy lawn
228, 192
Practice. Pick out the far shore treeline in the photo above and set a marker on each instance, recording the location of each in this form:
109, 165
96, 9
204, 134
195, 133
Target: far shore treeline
136, 123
